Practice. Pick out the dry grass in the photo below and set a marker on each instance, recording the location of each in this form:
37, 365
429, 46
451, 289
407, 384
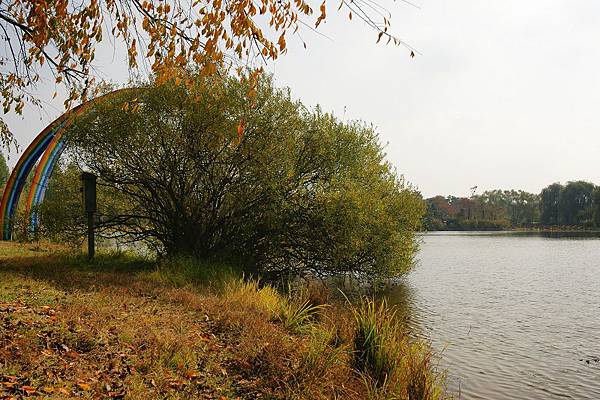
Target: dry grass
124, 328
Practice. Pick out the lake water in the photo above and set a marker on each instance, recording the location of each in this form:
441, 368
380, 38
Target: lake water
516, 316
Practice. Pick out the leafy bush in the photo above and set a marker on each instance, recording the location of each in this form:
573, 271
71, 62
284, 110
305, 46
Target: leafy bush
205, 171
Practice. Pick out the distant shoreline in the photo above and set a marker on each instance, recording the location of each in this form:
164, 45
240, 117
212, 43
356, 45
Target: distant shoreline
558, 229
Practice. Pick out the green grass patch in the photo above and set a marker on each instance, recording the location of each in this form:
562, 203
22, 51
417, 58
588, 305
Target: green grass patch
16, 288
182, 272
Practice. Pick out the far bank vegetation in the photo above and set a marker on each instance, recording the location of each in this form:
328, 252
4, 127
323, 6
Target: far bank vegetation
574, 205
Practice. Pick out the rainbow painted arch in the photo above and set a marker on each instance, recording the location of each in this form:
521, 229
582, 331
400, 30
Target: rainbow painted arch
47, 148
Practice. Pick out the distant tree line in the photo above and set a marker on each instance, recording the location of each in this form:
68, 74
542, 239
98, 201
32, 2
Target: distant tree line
575, 204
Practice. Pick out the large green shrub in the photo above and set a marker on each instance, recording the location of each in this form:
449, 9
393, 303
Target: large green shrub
207, 171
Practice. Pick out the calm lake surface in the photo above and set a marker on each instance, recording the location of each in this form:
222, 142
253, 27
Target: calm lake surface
516, 316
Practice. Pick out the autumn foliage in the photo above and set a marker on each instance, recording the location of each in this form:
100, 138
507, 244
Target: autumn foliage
165, 38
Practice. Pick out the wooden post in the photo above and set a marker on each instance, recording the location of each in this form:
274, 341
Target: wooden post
89, 206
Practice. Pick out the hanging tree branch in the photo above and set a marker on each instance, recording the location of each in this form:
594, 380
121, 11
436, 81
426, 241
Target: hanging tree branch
166, 36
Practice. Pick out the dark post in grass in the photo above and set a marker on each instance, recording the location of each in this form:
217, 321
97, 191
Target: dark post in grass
88, 189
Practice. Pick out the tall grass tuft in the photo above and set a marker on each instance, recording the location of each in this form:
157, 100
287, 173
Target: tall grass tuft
324, 351
376, 340
294, 315
391, 365
249, 293
298, 316
422, 383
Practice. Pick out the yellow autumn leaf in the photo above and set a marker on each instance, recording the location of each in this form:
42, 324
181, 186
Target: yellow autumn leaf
281, 41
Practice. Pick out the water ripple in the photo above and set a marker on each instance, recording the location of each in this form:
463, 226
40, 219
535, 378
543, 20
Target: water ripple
517, 317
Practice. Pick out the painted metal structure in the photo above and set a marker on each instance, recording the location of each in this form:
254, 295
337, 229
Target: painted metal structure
47, 148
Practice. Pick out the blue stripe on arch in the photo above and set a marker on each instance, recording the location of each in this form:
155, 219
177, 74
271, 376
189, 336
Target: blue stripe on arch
15, 194
43, 183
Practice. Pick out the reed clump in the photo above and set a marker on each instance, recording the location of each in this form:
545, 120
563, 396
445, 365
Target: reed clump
294, 314
392, 365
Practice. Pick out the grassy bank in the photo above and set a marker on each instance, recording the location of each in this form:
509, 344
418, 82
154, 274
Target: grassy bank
124, 327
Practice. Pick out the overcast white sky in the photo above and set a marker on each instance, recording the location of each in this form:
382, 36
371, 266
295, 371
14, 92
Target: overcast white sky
506, 94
